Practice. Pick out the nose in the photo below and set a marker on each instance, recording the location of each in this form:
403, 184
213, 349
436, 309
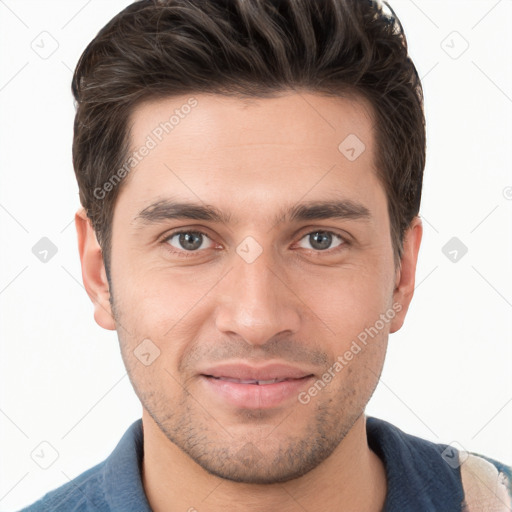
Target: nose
258, 301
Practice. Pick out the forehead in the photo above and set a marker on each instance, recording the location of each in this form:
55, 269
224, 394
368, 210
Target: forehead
250, 152
205, 120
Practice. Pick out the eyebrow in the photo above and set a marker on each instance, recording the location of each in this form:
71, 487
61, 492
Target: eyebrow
167, 209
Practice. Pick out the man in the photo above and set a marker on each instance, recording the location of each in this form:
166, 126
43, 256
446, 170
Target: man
250, 174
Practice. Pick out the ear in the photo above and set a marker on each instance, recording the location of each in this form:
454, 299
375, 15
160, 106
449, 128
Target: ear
94, 275
406, 273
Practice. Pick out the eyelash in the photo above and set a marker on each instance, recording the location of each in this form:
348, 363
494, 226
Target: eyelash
188, 254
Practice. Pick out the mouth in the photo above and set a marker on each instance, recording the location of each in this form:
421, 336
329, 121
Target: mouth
250, 387
245, 373
256, 382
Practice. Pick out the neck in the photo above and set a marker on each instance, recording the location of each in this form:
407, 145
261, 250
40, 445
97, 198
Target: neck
351, 478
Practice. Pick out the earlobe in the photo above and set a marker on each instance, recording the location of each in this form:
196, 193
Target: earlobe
406, 274
93, 271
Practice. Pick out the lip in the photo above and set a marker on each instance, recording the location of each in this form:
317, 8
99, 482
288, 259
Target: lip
243, 371
220, 382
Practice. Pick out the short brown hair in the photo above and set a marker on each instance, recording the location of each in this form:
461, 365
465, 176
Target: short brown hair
254, 48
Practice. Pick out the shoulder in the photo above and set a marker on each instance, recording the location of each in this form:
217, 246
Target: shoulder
487, 483
434, 472
114, 484
83, 493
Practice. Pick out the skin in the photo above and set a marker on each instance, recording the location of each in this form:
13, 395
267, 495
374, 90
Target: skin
294, 303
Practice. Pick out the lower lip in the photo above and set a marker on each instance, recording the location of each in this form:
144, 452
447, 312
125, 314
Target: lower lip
255, 396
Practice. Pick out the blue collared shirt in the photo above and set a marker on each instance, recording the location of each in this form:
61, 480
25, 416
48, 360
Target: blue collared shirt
419, 479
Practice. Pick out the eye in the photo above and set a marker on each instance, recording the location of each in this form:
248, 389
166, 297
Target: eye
322, 240
186, 241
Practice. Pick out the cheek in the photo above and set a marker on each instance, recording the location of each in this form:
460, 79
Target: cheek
350, 299
164, 306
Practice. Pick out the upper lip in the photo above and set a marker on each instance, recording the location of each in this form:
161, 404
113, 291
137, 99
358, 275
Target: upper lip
243, 371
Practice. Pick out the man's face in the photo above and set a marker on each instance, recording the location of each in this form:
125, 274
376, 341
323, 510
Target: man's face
263, 295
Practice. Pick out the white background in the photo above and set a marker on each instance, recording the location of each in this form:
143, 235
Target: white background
447, 375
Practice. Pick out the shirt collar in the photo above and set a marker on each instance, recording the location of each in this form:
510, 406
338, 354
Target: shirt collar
418, 478
122, 474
